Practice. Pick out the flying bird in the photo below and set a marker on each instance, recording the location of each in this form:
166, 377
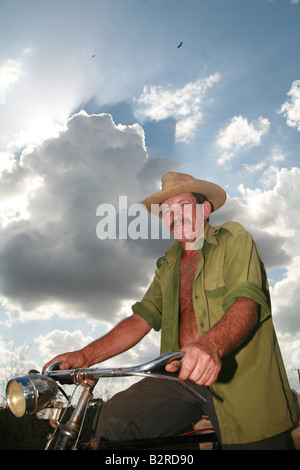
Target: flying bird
93, 55
179, 45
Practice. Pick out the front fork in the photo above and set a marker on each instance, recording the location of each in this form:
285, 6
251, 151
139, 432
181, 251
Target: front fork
69, 432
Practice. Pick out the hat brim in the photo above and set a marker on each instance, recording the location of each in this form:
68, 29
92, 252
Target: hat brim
214, 193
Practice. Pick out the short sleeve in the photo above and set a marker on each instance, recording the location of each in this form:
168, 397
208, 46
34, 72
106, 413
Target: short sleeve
150, 307
244, 272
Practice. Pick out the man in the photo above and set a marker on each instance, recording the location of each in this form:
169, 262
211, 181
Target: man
210, 299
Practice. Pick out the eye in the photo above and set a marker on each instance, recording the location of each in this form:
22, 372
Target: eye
164, 210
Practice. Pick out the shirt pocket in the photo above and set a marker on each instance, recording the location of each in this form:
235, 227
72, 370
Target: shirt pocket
214, 299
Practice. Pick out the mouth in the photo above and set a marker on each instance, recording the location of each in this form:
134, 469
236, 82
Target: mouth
180, 222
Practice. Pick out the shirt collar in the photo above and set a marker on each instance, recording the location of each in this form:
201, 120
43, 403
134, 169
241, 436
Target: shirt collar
210, 234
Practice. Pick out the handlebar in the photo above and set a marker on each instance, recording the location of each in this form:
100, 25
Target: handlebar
78, 376
95, 373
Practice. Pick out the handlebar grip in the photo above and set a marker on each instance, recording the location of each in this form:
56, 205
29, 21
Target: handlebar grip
160, 361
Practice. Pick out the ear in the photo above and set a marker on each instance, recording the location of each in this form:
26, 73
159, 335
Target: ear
206, 210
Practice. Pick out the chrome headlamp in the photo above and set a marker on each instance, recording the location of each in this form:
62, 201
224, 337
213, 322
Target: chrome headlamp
29, 394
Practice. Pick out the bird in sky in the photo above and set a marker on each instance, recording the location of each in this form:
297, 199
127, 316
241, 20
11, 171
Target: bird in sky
179, 45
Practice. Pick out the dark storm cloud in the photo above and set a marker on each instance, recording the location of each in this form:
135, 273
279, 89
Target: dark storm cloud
55, 255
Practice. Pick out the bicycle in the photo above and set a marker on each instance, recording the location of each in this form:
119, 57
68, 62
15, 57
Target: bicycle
34, 393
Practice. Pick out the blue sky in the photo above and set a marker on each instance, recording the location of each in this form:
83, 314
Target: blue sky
97, 101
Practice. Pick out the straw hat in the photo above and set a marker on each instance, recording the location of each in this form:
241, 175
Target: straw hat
178, 183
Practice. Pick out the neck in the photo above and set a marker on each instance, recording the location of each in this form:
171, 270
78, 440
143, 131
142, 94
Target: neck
189, 247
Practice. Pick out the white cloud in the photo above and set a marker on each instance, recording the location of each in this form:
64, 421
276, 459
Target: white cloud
254, 168
183, 104
58, 341
186, 128
39, 130
7, 161
290, 349
291, 109
277, 156
10, 72
52, 261
286, 297
240, 134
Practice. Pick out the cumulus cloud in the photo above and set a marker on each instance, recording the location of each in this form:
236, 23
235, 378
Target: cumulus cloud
240, 134
271, 216
54, 342
184, 104
291, 108
51, 258
286, 298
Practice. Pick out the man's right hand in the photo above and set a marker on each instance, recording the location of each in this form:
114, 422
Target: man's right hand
70, 360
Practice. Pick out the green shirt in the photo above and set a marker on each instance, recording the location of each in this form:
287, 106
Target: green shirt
252, 396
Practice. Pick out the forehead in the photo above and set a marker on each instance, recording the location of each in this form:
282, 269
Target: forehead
183, 197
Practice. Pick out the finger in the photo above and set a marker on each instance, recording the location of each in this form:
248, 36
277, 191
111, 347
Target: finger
68, 363
207, 377
173, 366
211, 379
48, 364
65, 365
188, 366
197, 369
60, 358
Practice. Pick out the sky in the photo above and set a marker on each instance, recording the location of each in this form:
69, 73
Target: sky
97, 101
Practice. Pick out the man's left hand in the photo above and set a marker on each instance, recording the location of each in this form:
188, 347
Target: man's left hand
201, 364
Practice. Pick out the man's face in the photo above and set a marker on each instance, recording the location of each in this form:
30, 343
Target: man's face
183, 217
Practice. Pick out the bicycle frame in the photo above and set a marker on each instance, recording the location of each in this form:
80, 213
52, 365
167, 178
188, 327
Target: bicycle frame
69, 432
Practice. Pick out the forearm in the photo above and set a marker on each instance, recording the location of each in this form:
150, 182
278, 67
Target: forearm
234, 327
125, 335
121, 338
203, 359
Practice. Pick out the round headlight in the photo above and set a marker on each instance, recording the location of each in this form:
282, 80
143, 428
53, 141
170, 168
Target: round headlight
15, 398
29, 394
